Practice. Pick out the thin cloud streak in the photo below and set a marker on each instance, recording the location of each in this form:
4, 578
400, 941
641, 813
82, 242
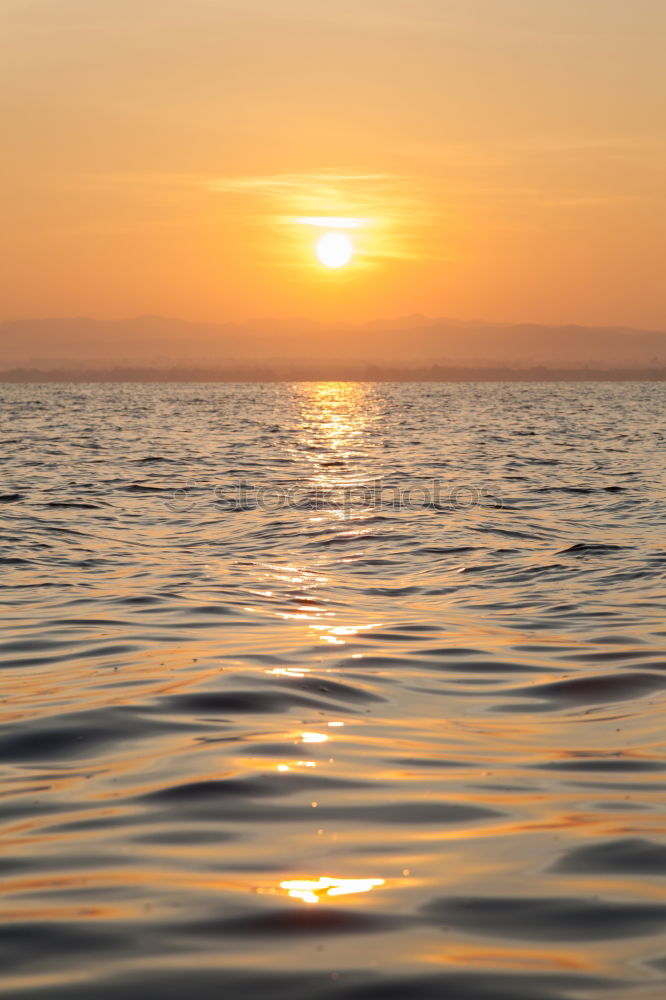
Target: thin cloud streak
329, 193
328, 222
270, 183
336, 199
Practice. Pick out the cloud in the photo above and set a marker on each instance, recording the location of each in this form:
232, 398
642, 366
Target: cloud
320, 193
336, 199
328, 222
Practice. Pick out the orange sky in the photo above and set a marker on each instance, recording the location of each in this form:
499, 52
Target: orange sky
507, 158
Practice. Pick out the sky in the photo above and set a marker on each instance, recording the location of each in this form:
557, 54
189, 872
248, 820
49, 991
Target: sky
497, 159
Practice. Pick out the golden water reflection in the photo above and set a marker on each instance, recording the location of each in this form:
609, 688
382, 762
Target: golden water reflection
311, 891
283, 768
335, 415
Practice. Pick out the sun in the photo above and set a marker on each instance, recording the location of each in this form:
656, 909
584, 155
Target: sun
335, 250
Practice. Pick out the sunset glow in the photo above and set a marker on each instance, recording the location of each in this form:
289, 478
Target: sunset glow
178, 160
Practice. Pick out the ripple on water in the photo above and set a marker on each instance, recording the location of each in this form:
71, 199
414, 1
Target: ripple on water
341, 747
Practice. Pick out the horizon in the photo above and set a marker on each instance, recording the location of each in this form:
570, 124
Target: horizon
296, 318
150, 346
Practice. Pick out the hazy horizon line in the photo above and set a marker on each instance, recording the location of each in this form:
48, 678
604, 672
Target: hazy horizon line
360, 372
304, 319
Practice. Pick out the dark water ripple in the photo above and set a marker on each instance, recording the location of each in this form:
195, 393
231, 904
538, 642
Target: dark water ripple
266, 732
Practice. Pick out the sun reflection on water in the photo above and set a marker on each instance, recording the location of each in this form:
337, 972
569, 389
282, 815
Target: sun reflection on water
311, 891
283, 768
314, 737
289, 671
335, 415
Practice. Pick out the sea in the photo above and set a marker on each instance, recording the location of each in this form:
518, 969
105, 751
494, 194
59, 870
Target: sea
333, 690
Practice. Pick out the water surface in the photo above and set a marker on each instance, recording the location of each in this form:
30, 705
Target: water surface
332, 690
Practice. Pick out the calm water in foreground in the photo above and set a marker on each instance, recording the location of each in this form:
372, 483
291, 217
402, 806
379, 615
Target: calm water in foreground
301, 738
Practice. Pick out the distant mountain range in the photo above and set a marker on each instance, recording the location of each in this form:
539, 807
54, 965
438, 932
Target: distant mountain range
159, 347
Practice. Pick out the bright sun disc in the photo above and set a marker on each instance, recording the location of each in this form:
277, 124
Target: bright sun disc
335, 250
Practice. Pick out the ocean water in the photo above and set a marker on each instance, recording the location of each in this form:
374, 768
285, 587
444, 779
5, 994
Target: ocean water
333, 690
